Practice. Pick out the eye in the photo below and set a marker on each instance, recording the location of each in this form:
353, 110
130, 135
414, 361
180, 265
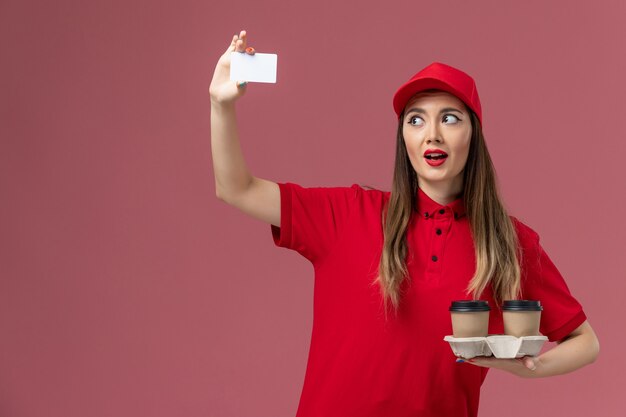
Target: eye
456, 119
416, 118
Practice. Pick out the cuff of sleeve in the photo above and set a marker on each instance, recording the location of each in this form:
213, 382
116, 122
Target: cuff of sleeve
282, 235
567, 328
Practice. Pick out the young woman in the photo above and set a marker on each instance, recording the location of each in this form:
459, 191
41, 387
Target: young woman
441, 234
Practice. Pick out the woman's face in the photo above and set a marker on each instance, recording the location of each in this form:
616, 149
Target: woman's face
437, 120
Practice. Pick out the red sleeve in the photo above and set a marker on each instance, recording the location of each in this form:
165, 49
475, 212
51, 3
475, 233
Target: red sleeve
312, 218
541, 280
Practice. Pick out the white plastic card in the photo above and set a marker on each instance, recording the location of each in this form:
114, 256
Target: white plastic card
260, 68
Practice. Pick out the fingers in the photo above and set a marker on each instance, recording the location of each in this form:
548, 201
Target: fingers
239, 43
234, 41
529, 362
233, 44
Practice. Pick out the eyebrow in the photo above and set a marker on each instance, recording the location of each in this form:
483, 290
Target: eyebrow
420, 110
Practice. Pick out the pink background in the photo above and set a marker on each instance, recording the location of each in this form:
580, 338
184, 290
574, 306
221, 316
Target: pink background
128, 289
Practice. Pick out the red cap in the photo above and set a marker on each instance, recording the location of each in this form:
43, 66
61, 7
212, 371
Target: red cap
442, 77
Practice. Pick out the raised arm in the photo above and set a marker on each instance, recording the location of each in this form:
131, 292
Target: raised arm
234, 184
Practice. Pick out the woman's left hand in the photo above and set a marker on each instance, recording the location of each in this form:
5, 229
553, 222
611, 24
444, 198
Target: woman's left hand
517, 366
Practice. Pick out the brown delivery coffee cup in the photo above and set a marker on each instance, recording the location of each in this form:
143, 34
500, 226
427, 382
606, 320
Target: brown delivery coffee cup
470, 318
521, 317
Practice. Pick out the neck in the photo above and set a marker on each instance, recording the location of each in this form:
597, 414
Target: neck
442, 193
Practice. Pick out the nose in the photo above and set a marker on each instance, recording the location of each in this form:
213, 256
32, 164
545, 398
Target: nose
433, 133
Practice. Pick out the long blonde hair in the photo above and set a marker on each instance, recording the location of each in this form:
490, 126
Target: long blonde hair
495, 239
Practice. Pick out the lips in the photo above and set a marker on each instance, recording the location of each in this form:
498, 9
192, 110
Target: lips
435, 154
435, 163
435, 157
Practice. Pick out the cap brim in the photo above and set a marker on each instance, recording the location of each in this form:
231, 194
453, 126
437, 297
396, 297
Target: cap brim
408, 90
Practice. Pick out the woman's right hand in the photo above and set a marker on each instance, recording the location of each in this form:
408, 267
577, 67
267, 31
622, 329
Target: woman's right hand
222, 90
